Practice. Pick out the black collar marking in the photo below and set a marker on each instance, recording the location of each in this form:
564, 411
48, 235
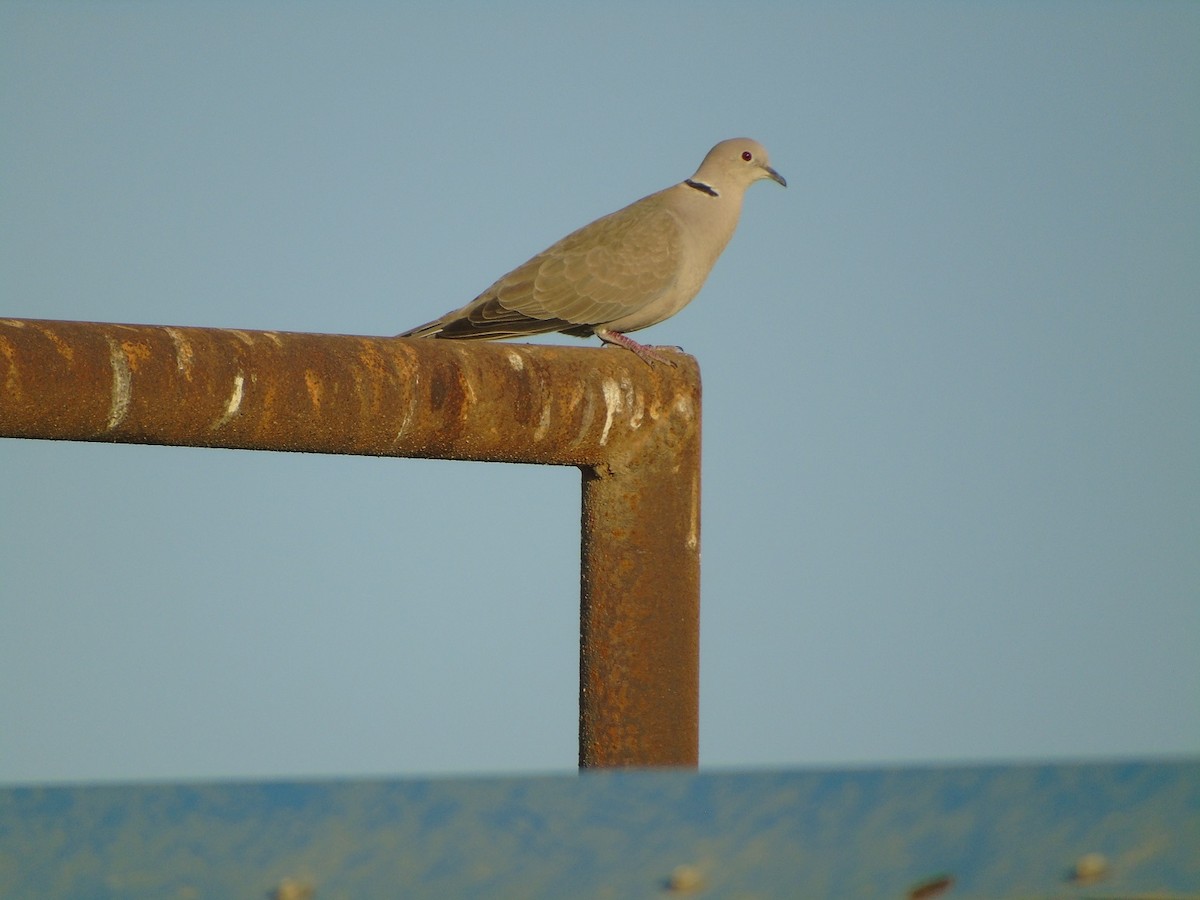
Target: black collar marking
702, 187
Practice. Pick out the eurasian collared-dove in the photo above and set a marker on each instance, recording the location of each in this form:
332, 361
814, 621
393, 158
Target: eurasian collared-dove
628, 270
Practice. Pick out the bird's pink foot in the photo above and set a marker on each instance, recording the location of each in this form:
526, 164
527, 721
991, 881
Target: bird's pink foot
648, 355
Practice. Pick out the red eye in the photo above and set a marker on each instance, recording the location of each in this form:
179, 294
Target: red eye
747, 155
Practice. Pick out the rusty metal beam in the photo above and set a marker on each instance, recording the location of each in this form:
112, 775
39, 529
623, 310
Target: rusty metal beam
634, 430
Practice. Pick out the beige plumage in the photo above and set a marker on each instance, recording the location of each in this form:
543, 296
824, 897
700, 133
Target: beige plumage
628, 270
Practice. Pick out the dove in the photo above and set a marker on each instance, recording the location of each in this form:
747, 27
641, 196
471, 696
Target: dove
625, 271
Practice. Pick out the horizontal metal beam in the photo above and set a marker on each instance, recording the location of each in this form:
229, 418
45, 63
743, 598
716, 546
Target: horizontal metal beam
633, 429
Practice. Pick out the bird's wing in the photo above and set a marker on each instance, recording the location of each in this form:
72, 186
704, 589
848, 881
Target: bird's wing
605, 270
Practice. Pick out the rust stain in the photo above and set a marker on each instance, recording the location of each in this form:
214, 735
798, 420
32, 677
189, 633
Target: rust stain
312, 382
136, 353
64, 349
11, 379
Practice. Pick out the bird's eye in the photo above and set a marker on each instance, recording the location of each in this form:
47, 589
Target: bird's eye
747, 155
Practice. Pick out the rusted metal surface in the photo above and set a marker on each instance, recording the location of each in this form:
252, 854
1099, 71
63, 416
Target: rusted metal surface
633, 429
640, 611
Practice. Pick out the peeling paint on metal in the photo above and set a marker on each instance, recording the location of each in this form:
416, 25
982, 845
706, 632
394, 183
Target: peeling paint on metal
183, 352
234, 404
612, 405
693, 532
637, 404
543, 425
122, 385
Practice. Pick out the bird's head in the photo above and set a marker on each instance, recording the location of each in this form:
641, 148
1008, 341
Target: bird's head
736, 163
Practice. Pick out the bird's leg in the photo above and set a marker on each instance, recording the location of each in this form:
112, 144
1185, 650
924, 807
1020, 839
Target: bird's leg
648, 355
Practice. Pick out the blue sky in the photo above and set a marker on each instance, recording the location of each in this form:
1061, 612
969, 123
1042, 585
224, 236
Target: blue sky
951, 379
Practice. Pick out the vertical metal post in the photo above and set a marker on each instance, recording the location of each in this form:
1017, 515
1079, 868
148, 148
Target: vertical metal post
639, 661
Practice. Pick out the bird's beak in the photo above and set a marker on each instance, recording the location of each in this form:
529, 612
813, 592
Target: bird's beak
775, 176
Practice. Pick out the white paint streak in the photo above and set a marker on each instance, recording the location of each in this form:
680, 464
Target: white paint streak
468, 391
247, 338
122, 384
412, 406
693, 535
612, 406
543, 424
638, 412
581, 399
235, 402
183, 351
